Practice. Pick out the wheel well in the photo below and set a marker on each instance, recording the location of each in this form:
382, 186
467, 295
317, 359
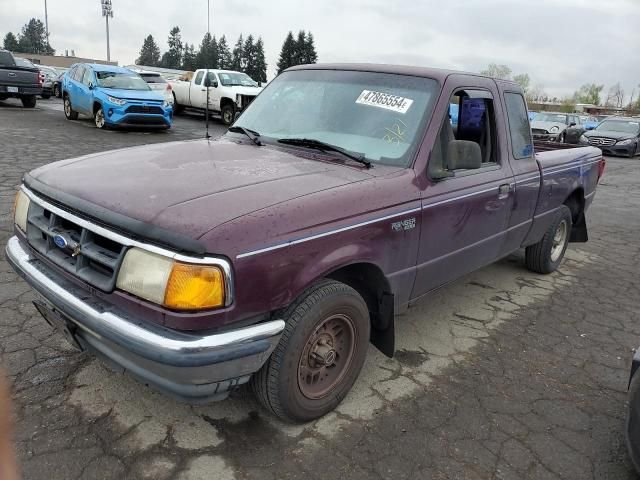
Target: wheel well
96, 106
226, 100
369, 281
575, 203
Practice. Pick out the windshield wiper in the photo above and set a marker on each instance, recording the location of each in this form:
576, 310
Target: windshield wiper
253, 136
326, 147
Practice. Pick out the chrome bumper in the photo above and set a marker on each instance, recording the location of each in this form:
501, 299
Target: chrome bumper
187, 365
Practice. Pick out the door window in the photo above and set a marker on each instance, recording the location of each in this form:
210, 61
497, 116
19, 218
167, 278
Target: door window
87, 77
519, 129
475, 124
199, 75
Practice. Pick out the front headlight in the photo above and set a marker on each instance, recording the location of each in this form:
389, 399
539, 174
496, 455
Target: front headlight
176, 285
583, 140
554, 130
20, 210
628, 141
167, 103
117, 101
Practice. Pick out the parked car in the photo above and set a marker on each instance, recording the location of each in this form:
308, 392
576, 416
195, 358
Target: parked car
615, 136
50, 75
56, 85
18, 79
552, 126
229, 92
339, 198
113, 96
633, 415
158, 83
532, 116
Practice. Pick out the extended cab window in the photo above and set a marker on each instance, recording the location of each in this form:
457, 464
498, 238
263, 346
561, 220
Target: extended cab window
519, 129
469, 141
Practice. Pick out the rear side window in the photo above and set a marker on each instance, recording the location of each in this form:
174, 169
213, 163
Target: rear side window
77, 75
519, 129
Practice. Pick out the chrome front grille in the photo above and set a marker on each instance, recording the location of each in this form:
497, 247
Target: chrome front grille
601, 141
91, 257
539, 131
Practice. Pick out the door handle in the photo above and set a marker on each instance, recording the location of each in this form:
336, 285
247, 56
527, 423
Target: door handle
504, 190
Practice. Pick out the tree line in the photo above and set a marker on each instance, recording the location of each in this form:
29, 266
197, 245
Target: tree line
31, 39
247, 54
590, 93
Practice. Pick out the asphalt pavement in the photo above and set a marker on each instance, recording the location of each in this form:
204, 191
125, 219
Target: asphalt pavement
503, 374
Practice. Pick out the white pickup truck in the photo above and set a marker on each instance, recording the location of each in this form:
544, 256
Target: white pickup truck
229, 92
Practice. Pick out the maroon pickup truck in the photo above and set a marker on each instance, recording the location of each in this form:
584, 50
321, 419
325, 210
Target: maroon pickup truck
341, 196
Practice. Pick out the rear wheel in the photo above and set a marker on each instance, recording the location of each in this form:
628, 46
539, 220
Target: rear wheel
56, 91
69, 112
546, 255
319, 356
177, 108
29, 101
46, 96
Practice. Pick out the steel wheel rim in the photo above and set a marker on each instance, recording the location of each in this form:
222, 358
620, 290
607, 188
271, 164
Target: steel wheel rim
327, 356
227, 116
67, 107
559, 239
100, 118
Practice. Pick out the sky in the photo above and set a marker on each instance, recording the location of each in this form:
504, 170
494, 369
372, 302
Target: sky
561, 44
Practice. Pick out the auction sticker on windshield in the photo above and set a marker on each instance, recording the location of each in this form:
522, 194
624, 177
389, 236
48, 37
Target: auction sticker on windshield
384, 100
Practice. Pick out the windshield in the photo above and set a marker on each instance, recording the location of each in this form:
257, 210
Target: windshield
622, 126
236, 79
379, 115
125, 81
551, 117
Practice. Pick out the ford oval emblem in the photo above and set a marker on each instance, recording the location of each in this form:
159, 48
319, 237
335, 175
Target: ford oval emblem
60, 241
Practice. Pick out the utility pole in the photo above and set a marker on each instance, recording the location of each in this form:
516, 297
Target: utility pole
107, 11
206, 77
46, 21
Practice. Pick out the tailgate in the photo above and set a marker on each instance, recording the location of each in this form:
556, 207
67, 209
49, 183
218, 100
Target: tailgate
17, 77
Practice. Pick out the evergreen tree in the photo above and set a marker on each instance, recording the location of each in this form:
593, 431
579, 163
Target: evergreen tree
149, 53
310, 54
287, 52
260, 64
33, 39
248, 56
189, 57
207, 56
299, 49
238, 55
172, 58
10, 42
225, 59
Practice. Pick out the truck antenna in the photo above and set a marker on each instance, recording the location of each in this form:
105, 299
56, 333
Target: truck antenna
207, 80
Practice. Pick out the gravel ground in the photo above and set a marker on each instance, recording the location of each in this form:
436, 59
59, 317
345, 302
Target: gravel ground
502, 374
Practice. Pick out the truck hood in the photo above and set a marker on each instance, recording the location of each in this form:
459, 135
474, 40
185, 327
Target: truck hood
547, 125
609, 134
132, 94
189, 187
245, 90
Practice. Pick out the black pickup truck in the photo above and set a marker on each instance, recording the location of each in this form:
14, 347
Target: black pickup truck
18, 82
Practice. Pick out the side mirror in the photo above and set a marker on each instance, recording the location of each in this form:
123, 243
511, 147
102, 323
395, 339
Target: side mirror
215, 84
463, 154
572, 124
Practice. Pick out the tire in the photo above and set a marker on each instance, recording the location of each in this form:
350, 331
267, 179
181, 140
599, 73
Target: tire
98, 119
329, 314
56, 91
228, 114
546, 255
177, 108
69, 112
563, 138
46, 96
632, 429
29, 101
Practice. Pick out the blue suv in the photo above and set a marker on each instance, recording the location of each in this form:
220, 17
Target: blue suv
113, 96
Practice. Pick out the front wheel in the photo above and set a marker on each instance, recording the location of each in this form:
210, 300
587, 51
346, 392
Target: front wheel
319, 356
228, 114
98, 118
29, 101
56, 91
69, 112
546, 255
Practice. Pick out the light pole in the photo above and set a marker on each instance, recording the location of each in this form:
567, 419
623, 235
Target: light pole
107, 11
46, 21
207, 80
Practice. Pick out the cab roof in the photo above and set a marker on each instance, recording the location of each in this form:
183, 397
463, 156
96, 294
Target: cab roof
99, 67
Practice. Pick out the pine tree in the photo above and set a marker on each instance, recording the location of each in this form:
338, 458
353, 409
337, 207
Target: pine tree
207, 56
33, 39
10, 42
149, 53
299, 51
238, 55
311, 56
260, 64
287, 52
189, 57
225, 59
172, 58
248, 56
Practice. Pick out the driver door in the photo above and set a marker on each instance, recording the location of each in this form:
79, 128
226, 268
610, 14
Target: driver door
84, 100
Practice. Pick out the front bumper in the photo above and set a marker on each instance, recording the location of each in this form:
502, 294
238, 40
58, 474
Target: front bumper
547, 137
118, 115
193, 367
